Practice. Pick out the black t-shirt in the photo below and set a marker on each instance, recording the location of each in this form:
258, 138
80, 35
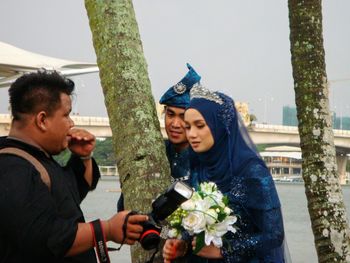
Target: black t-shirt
38, 224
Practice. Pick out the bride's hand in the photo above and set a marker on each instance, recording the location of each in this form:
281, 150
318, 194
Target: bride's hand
174, 248
207, 251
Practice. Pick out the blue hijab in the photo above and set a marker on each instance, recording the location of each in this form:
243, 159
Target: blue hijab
232, 149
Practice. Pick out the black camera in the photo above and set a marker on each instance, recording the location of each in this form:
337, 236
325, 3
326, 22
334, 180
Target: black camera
162, 207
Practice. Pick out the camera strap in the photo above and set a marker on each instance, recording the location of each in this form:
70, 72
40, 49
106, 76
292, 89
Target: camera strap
125, 225
30, 158
99, 241
152, 257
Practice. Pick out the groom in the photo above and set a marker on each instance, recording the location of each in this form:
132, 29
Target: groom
175, 101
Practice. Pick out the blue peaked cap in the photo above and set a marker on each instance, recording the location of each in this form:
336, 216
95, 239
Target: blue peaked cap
179, 94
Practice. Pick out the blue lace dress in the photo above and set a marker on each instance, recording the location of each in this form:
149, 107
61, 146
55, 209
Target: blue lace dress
235, 166
253, 198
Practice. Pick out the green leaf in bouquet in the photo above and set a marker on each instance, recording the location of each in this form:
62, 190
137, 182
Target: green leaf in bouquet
200, 242
201, 194
216, 207
225, 200
221, 217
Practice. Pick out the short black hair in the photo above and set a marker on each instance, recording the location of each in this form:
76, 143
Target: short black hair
38, 91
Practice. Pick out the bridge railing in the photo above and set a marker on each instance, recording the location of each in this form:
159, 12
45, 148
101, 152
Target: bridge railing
293, 128
90, 121
104, 121
272, 127
5, 118
341, 132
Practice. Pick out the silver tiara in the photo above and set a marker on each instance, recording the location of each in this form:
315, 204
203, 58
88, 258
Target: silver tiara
198, 91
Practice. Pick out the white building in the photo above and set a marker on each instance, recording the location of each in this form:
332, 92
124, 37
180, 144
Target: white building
283, 162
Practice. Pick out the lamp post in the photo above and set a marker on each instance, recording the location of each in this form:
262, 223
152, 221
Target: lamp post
265, 100
341, 110
342, 115
336, 118
331, 97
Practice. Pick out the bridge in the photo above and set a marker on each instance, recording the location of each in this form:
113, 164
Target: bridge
260, 134
289, 135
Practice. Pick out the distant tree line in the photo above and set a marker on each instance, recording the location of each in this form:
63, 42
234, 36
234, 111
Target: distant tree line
103, 154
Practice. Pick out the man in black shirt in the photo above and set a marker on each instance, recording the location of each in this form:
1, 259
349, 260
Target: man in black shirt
41, 222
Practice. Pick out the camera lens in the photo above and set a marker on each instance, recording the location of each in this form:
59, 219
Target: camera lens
150, 239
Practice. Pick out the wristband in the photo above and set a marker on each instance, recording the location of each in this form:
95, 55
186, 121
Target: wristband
99, 241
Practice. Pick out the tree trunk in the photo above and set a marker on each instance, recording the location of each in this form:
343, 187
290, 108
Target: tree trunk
322, 185
138, 143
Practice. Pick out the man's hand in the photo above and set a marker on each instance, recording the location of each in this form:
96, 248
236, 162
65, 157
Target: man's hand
174, 248
133, 228
82, 143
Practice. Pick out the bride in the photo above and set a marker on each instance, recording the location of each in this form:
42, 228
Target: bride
225, 155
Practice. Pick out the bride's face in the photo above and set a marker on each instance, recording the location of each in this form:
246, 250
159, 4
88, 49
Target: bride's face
197, 131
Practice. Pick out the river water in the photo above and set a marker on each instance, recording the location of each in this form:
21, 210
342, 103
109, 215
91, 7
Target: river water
101, 203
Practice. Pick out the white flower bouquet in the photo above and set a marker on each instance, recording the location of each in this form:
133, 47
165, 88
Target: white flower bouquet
206, 216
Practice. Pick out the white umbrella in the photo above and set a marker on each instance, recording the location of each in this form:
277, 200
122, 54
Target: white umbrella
15, 61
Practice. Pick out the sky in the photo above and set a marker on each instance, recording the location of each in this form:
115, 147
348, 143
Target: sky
239, 47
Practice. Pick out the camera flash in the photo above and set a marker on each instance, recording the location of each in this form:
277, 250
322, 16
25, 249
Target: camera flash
183, 189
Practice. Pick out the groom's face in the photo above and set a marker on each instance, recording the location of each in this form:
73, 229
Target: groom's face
175, 125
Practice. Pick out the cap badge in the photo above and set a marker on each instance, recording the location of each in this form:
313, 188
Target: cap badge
180, 88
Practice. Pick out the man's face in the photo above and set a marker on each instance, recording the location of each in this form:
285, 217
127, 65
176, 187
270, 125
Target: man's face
58, 125
175, 125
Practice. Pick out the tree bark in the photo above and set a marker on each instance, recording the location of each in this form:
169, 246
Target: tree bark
138, 143
322, 185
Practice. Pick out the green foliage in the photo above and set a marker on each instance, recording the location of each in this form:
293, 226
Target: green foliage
63, 157
252, 118
200, 243
103, 154
225, 200
261, 147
